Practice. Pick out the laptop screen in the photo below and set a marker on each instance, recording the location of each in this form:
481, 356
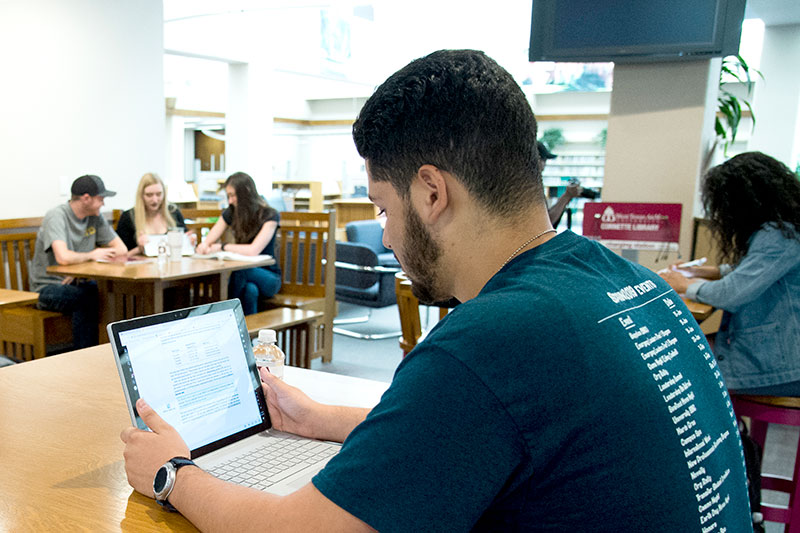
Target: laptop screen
196, 368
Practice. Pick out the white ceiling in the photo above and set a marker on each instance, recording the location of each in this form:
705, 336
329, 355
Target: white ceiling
385, 35
774, 12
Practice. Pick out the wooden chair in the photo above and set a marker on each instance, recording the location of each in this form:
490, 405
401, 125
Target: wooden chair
25, 332
306, 253
199, 219
408, 307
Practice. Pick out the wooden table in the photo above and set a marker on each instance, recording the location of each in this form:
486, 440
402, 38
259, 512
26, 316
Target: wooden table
61, 466
700, 311
137, 288
12, 298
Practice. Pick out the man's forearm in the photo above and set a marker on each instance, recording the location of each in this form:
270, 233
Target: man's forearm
214, 505
557, 208
68, 257
336, 422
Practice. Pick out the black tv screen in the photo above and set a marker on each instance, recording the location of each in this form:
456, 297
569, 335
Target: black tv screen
625, 31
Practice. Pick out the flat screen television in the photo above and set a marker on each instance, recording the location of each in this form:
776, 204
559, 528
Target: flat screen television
629, 31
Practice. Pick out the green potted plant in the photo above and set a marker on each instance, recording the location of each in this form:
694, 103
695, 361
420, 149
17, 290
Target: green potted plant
729, 106
552, 138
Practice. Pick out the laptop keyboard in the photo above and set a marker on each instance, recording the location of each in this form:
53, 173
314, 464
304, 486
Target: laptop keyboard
273, 461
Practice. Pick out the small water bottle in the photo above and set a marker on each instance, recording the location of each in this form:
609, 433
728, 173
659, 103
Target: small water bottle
268, 353
163, 255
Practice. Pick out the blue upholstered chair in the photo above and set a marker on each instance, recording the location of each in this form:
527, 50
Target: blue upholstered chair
365, 272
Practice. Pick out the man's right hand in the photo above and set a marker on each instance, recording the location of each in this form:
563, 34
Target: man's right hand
573, 190
102, 254
290, 409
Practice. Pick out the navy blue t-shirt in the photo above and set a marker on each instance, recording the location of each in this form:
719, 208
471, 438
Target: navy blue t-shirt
574, 393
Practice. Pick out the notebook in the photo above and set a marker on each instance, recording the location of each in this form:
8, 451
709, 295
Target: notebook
196, 368
151, 246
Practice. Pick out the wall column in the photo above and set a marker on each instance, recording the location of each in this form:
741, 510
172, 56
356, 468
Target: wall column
249, 119
776, 102
660, 126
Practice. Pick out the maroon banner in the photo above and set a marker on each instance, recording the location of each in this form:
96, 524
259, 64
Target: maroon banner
631, 226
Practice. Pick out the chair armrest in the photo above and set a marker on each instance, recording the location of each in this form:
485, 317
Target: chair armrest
363, 268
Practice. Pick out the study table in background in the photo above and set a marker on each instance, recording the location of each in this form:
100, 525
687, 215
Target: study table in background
136, 288
61, 466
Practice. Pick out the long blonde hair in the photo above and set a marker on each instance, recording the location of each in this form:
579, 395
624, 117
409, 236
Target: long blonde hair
139, 209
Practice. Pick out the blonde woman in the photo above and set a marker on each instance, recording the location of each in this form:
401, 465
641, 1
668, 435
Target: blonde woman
151, 215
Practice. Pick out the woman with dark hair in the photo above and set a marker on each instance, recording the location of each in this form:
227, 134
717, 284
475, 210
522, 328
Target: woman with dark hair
254, 224
753, 203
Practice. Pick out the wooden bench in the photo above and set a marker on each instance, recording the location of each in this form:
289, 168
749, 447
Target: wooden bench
306, 253
295, 329
25, 331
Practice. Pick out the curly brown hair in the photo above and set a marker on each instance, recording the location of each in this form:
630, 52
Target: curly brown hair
746, 192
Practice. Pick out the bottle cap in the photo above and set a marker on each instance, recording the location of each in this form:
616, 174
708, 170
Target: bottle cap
267, 335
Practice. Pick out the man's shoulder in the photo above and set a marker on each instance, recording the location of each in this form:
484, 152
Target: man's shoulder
61, 211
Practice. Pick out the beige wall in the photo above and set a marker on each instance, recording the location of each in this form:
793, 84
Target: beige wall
82, 92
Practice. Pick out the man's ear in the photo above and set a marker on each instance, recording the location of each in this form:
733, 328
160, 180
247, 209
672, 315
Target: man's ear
429, 193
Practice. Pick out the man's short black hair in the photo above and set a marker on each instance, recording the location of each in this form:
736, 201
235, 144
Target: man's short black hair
462, 112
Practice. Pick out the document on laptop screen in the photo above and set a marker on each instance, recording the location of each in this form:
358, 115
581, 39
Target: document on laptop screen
194, 373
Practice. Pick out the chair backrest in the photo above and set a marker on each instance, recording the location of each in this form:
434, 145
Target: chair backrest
306, 252
408, 307
368, 232
16, 254
197, 219
116, 214
356, 254
17, 243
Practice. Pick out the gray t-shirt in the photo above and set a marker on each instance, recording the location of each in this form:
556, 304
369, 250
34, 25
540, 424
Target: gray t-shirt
80, 235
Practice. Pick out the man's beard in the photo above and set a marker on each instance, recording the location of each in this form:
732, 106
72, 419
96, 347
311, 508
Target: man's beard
422, 254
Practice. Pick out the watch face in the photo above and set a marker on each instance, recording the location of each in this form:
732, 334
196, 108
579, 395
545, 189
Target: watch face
160, 480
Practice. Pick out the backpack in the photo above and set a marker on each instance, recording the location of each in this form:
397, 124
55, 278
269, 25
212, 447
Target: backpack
752, 463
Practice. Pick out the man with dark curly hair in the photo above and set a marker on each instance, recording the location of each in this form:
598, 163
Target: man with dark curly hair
569, 391
753, 203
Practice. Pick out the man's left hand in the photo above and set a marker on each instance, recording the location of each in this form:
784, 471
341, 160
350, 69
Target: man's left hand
146, 451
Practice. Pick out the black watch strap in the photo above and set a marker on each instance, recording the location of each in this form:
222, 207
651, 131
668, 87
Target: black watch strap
177, 463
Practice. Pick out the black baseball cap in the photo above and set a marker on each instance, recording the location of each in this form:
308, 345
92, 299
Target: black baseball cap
544, 153
91, 185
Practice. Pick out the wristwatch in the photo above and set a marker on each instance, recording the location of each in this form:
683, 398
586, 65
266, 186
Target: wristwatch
164, 481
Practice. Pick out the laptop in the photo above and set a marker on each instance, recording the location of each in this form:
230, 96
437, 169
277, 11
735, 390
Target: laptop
196, 368
151, 246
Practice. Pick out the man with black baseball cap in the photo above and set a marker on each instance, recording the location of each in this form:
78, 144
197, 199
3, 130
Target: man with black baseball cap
556, 210
72, 233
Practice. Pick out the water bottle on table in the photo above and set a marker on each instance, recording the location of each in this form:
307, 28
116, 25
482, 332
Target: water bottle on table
268, 353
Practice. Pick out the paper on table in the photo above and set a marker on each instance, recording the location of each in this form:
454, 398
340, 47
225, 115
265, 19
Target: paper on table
233, 256
684, 273
679, 268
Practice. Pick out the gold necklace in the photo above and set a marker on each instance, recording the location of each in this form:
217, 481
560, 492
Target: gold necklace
524, 244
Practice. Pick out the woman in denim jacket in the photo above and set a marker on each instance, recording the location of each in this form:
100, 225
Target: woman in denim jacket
753, 202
